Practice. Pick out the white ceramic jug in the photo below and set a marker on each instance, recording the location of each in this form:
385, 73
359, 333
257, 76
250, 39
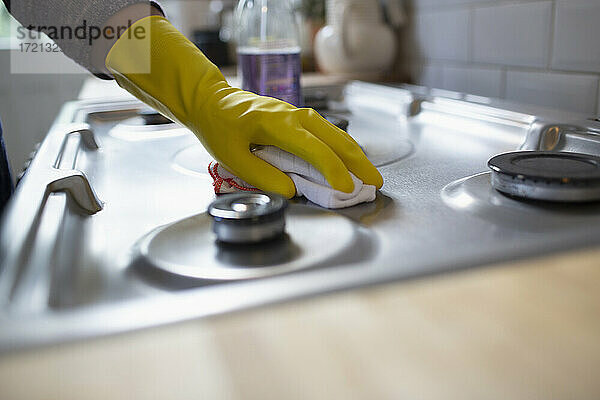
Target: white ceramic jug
355, 39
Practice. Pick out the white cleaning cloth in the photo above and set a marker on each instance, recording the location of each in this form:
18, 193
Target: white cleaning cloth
308, 180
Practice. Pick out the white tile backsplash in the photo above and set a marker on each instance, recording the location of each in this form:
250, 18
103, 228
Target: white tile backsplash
562, 91
425, 4
598, 103
474, 80
455, 78
513, 34
577, 35
545, 52
443, 35
431, 75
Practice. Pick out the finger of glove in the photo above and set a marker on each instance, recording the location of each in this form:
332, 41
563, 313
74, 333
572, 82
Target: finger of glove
262, 175
345, 147
308, 147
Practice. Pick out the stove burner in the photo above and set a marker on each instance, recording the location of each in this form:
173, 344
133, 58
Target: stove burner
248, 217
549, 176
186, 250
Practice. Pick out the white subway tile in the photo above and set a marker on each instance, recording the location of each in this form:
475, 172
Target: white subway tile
562, 91
421, 4
577, 35
598, 102
486, 82
443, 34
455, 78
430, 76
513, 34
473, 80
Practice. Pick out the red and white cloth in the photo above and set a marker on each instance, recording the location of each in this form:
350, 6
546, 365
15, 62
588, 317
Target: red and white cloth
309, 182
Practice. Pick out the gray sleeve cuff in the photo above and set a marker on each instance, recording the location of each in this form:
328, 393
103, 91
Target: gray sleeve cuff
72, 13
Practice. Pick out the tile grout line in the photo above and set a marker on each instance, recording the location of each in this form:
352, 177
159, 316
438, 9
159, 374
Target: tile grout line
523, 68
471, 38
481, 4
503, 82
552, 34
598, 100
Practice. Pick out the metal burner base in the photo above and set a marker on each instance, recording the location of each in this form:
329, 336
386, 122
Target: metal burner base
189, 249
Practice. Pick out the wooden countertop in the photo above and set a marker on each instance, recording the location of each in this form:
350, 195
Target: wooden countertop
527, 330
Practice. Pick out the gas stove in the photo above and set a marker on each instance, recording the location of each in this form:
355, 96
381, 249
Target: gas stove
109, 232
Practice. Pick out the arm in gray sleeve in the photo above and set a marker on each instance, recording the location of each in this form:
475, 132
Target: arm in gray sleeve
59, 19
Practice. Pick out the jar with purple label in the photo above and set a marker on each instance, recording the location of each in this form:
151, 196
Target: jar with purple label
268, 50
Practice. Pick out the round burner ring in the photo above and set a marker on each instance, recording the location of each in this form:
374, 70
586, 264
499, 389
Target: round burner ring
314, 238
546, 175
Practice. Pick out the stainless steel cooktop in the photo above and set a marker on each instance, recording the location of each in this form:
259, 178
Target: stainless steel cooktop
108, 229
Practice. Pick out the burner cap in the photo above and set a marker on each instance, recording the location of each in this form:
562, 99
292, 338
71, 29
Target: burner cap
544, 175
248, 217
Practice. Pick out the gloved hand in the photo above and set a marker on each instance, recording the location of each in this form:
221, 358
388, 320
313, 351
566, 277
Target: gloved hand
186, 87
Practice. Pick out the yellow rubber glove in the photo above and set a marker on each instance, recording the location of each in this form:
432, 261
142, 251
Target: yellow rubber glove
186, 87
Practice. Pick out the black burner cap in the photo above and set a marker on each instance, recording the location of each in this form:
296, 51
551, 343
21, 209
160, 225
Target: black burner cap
561, 167
545, 175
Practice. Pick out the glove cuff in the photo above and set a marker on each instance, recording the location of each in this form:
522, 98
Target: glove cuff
160, 66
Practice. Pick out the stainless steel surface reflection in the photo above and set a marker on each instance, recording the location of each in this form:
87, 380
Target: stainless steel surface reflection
475, 196
381, 143
69, 272
188, 248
